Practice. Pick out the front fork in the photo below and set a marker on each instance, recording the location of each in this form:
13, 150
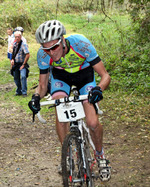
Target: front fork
82, 142
93, 160
81, 125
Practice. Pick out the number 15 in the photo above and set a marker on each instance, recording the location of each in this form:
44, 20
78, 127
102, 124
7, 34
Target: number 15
72, 113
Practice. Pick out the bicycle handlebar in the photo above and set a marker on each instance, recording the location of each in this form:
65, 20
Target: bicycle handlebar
65, 100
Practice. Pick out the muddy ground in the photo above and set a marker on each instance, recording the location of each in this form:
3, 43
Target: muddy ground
30, 153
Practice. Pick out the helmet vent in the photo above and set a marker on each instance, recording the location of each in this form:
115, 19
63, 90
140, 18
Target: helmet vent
40, 36
59, 31
43, 28
47, 34
49, 24
53, 31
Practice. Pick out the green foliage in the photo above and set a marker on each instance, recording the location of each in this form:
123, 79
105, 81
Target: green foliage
27, 14
121, 40
140, 14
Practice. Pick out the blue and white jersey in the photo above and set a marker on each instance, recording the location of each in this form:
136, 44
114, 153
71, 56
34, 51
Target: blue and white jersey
81, 55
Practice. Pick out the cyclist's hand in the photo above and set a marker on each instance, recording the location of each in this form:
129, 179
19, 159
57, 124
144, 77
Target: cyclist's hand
95, 95
34, 104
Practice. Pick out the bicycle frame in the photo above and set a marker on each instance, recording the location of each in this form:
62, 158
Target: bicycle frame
80, 122
81, 128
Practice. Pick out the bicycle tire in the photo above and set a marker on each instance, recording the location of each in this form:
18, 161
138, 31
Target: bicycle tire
71, 152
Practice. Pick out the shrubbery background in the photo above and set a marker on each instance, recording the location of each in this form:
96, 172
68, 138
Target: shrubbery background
118, 29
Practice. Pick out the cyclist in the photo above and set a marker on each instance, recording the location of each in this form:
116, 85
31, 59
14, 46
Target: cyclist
74, 60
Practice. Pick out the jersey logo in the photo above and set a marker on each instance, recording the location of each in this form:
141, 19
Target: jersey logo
44, 63
88, 88
59, 62
73, 58
87, 55
58, 84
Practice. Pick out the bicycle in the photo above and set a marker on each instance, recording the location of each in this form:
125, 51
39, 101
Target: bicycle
77, 159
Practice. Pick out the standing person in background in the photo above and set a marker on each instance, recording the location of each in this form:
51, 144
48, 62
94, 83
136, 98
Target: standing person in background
10, 40
22, 37
19, 61
21, 30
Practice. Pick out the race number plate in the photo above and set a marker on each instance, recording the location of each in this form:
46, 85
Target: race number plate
70, 111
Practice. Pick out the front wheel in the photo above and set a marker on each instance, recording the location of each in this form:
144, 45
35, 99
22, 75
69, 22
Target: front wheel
73, 172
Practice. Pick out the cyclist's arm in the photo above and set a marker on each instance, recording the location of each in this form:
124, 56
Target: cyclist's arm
43, 82
105, 77
43, 64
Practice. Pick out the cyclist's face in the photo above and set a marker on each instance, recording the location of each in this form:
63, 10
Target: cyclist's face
54, 49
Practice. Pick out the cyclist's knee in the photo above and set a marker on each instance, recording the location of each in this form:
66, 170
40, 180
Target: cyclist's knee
93, 128
94, 125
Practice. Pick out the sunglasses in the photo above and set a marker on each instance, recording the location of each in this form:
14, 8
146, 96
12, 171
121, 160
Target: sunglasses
54, 47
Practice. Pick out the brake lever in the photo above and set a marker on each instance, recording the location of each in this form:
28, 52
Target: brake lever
95, 107
51, 106
33, 117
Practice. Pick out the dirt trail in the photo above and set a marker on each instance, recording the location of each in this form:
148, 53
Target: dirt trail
30, 153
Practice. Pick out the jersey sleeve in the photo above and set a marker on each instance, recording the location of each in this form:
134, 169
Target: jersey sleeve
95, 61
84, 47
43, 59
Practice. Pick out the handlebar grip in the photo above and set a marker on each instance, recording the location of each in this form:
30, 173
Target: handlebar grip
42, 120
98, 110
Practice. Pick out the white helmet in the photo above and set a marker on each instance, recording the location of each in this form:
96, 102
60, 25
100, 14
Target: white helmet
50, 30
19, 29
